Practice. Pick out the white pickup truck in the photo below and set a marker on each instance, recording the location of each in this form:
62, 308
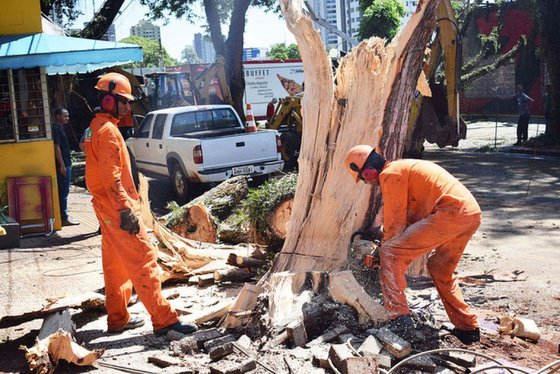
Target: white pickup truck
202, 144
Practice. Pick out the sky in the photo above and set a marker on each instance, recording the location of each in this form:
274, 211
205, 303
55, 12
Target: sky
261, 31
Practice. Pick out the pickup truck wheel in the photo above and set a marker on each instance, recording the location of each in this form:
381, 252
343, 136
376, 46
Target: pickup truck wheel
291, 143
180, 183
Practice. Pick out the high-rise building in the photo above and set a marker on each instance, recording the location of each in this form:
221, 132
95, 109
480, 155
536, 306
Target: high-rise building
110, 34
204, 48
146, 29
410, 6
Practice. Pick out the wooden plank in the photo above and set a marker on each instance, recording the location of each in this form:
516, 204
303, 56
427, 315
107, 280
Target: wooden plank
221, 351
395, 345
85, 301
249, 262
245, 301
205, 280
233, 275
344, 288
296, 332
214, 312
163, 361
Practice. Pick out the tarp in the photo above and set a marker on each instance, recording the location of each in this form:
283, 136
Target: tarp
64, 54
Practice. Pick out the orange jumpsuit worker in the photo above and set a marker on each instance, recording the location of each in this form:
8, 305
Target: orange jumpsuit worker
425, 208
129, 259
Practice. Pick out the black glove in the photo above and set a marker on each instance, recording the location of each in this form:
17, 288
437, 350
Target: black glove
377, 233
129, 222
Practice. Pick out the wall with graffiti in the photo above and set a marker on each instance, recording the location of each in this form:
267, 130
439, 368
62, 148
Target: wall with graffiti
493, 92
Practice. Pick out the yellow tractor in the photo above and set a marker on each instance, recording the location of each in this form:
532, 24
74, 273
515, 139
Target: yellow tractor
287, 120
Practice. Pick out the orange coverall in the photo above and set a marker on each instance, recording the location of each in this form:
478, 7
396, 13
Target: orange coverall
425, 208
127, 259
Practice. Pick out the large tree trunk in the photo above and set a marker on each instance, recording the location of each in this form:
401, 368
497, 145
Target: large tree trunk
369, 104
227, 214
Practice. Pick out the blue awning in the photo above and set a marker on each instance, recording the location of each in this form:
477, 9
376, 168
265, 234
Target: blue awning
64, 54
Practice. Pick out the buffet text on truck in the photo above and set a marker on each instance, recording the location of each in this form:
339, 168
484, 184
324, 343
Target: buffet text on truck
265, 80
202, 144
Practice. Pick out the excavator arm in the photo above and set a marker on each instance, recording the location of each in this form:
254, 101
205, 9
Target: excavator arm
204, 84
437, 118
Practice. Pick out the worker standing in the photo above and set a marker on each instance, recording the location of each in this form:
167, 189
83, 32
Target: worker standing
129, 258
425, 209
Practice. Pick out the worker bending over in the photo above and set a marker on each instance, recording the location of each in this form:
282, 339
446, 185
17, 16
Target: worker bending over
425, 209
129, 258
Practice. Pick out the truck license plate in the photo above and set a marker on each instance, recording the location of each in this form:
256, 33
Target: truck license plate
242, 170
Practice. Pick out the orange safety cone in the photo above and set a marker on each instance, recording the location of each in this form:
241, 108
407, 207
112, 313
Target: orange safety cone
250, 119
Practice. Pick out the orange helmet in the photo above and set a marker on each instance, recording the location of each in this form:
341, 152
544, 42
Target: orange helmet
115, 83
356, 158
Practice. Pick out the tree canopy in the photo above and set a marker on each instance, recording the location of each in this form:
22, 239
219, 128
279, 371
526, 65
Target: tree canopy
381, 18
189, 56
281, 51
150, 49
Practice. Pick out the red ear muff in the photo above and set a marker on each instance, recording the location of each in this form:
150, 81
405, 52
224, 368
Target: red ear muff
108, 103
369, 174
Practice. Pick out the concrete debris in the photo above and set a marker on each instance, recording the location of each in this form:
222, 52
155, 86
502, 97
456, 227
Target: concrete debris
422, 363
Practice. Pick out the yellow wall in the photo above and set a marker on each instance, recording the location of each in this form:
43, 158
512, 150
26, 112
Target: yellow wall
20, 17
30, 159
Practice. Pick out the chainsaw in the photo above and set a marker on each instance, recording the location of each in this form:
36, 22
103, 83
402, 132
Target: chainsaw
371, 259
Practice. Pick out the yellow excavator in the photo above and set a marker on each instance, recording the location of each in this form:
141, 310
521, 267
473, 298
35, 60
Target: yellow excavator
437, 118
434, 118
288, 121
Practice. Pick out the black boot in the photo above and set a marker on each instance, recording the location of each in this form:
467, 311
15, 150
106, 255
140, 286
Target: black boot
467, 336
402, 326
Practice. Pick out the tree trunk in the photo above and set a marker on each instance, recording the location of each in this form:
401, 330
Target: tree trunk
214, 216
369, 104
549, 10
201, 219
102, 20
234, 55
232, 48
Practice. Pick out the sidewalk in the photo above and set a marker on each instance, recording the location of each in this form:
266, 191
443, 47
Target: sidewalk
67, 263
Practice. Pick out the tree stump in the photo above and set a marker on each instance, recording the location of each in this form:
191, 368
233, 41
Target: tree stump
370, 103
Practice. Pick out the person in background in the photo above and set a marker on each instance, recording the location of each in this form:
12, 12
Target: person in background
426, 210
63, 163
522, 100
129, 257
270, 109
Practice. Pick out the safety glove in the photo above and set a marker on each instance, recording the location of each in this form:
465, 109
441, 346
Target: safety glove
377, 233
129, 222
